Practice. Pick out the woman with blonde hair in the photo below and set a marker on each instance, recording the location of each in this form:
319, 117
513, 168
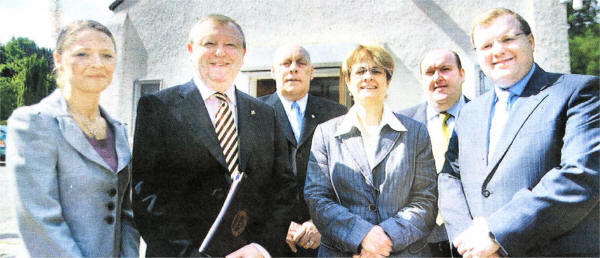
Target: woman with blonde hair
371, 180
69, 160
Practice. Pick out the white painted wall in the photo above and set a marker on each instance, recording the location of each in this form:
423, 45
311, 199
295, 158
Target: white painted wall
151, 37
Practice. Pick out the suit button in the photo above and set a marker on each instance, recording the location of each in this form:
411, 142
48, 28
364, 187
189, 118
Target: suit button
110, 206
486, 193
109, 220
372, 207
112, 192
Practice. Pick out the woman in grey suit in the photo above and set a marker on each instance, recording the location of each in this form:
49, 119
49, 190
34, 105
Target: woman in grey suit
69, 160
371, 180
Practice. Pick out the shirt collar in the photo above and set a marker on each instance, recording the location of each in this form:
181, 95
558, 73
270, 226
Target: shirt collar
350, 120
432, 112
287, 104
517, 88
207, 92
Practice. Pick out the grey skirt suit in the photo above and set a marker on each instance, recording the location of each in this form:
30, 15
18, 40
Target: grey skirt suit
68, 200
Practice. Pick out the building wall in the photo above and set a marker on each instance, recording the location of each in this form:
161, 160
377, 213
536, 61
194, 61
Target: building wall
151, 37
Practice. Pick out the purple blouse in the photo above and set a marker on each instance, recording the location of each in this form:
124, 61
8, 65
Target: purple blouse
106, 147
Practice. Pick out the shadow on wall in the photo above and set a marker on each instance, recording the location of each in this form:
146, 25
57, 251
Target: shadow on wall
447, 24
408, 89
136, 61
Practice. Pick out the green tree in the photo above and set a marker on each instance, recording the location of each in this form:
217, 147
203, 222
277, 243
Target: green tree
584, 38
25, 74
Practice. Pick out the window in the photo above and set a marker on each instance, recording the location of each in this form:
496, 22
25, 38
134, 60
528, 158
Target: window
483, 83
326, 84
142, 88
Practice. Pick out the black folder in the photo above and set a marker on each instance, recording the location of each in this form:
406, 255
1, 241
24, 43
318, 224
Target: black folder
228, 232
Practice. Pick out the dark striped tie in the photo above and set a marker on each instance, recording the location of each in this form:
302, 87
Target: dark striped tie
227, 133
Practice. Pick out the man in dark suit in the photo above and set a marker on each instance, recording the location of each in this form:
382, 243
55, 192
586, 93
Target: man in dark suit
298, 114
521, 176
187, 149
442, 77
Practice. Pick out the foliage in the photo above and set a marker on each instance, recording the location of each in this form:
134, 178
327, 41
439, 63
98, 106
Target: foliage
25, 74
584, 38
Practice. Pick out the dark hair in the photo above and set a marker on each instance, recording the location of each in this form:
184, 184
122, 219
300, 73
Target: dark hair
456, 57
488, 16
65, 35
219, 19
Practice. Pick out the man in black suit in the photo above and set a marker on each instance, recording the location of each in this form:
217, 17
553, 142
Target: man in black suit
298, 114
182, 168
442, 76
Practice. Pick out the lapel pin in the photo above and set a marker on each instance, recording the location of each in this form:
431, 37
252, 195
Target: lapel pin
252, 112
312, 115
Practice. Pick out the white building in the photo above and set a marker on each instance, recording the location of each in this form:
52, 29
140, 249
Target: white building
151, 37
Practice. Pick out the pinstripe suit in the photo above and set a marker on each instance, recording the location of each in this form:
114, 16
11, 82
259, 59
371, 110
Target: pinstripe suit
346, 198
539, 190
419, 113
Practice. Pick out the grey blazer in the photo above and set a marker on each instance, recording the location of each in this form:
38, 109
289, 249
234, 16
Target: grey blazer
345, 203
68, 200
539, 191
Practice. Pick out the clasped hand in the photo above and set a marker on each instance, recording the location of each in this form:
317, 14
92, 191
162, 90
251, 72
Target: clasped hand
248, 251
306, 235
476, 241
375, 244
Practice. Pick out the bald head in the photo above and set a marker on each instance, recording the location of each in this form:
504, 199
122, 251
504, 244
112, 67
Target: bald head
292, 71
285, 50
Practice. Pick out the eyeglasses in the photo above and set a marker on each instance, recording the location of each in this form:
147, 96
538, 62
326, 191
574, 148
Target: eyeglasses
375, 71
503, 41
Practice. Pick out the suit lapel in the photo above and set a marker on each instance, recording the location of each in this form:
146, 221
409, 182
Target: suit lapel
76, 138
387, 140
479, 129
247, 118
522, 109
421, 113
194, 113
121, 143
311, 119
352, 142
73, 134
282, 118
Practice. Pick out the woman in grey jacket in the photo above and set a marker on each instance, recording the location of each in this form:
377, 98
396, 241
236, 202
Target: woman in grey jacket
371, 182
69, 160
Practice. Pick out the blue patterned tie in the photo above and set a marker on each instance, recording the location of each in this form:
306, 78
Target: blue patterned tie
297, 125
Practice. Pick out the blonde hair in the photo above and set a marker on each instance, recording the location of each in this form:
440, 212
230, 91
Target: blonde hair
376, 53
218, 19
488, 16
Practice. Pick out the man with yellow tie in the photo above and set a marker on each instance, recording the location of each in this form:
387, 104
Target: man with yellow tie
442, 76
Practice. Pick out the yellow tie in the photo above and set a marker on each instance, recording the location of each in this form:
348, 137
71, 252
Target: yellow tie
441, 145
439, 150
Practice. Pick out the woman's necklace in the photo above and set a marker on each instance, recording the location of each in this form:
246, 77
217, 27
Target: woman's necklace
90, 126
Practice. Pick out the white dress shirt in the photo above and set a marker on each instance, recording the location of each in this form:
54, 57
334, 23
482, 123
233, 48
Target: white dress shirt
212, 103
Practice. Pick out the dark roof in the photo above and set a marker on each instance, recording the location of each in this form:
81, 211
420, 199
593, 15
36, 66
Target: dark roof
114, 5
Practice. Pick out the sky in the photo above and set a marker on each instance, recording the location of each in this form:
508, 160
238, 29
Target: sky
31, 18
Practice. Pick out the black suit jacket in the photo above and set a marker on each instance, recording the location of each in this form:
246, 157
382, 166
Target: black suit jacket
180, 175
318, 110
